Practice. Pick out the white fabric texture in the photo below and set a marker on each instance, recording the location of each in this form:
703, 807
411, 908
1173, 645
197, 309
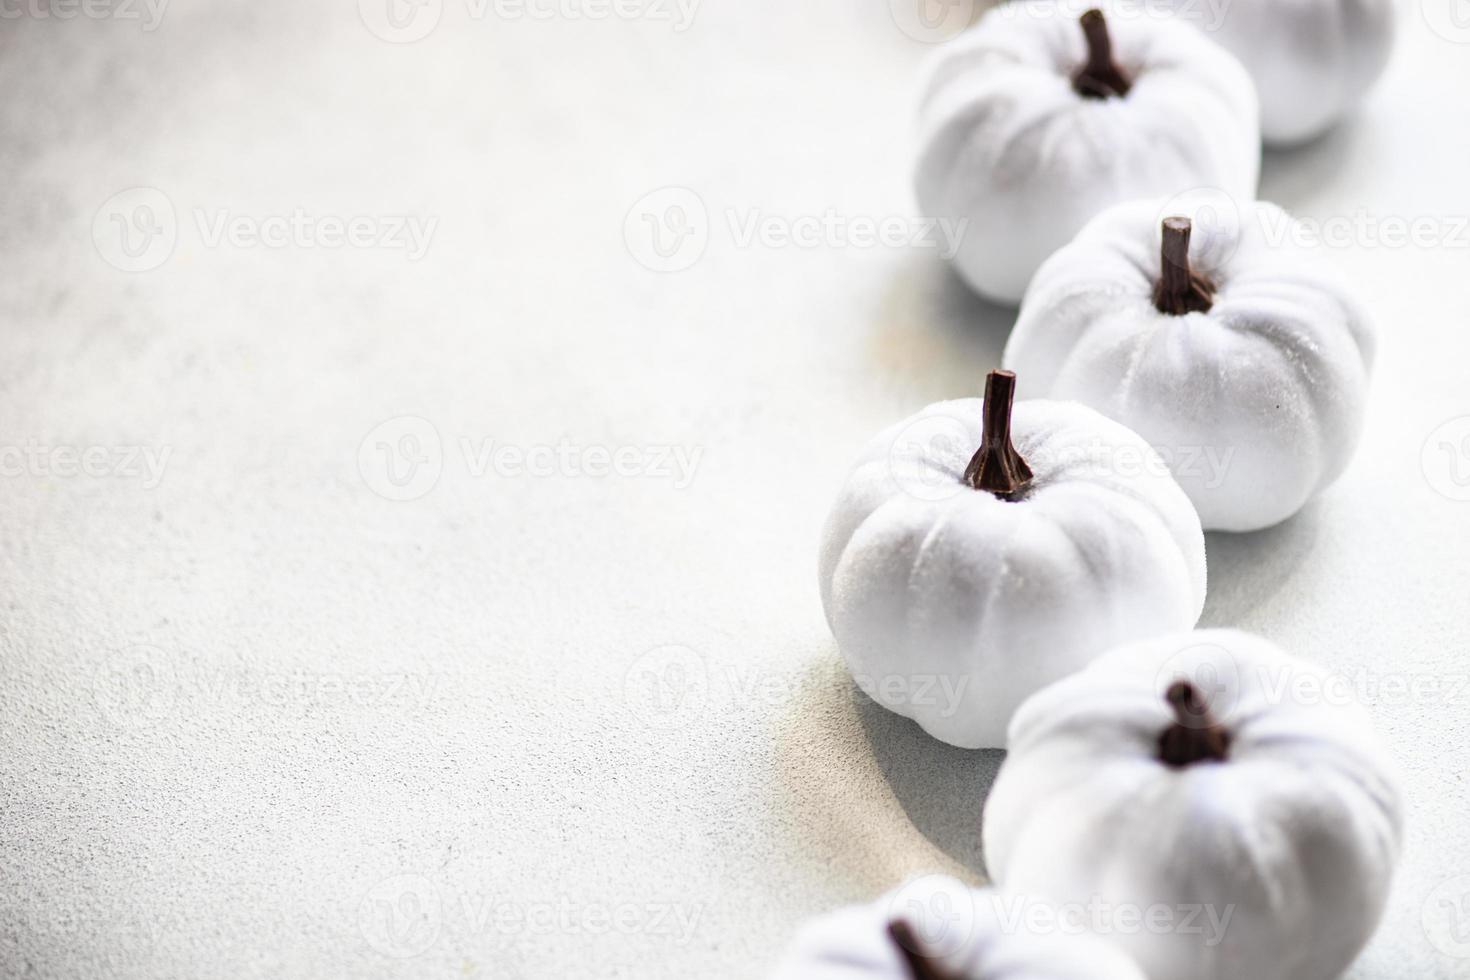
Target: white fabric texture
951, 605
1257, 404
1312, 61
1007, 145
971, 934
1294, 836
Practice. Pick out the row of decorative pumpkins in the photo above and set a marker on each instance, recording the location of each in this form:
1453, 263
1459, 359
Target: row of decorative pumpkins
1231, 827
1185, 366
1004, 140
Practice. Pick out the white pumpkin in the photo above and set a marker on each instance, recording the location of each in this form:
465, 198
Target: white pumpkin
1242, 357
951, 604
1312, 60
935, 928
1205, 777
1034, 121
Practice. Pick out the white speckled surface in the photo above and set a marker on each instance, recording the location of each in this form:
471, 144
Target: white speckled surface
252, 712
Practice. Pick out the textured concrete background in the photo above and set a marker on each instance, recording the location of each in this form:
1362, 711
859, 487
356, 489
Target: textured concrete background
260, 718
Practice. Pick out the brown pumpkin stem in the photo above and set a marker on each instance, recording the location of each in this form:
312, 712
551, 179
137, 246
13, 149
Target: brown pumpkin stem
920, 966
1100, 77
996, 467
1195, 736
1179, 290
